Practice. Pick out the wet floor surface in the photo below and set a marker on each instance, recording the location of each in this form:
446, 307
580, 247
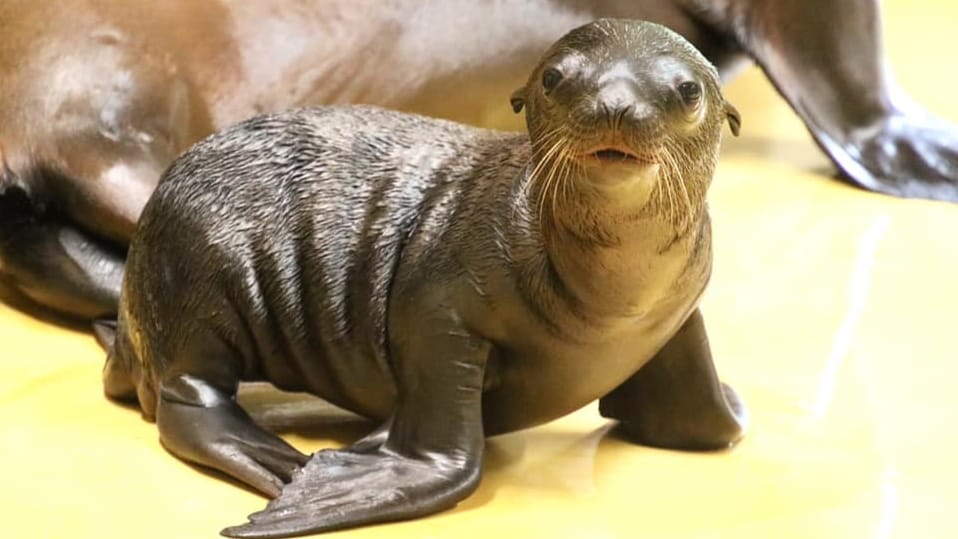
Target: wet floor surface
832, 311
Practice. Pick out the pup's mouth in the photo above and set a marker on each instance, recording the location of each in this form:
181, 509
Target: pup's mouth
618, 155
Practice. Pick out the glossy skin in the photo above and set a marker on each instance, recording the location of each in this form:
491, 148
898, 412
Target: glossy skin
98, 96
449, 281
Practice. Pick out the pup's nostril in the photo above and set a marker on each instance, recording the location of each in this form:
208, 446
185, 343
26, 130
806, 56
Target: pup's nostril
621, 114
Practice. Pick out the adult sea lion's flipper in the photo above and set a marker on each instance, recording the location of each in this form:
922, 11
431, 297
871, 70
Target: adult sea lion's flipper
430, 460
55, 264
676, 400
826, 59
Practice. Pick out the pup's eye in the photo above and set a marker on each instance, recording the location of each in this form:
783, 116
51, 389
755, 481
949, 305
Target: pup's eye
551, 78
691, 92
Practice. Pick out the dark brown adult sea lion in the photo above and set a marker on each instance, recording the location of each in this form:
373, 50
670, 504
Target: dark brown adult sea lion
449, 281
98, 96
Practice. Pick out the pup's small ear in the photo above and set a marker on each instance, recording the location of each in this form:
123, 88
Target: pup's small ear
734, 118
518, 99
104, 330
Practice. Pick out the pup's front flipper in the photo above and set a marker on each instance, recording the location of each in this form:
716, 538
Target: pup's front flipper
429, 460
676, 400
339, 489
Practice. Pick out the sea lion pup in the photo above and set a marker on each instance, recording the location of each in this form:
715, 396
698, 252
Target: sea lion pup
449, 281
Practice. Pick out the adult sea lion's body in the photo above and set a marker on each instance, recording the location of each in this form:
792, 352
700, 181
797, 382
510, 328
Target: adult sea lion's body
98, 96
449, 281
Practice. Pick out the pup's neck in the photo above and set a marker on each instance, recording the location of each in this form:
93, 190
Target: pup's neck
620, 245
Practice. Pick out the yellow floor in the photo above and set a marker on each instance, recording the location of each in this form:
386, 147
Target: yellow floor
832, 311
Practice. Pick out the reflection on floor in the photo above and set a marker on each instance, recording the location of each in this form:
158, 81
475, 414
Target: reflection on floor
832, 311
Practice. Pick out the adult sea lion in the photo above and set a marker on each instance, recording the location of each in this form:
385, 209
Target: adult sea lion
98, 96
449, 281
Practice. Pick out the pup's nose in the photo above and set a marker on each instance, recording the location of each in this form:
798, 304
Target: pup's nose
618, 104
